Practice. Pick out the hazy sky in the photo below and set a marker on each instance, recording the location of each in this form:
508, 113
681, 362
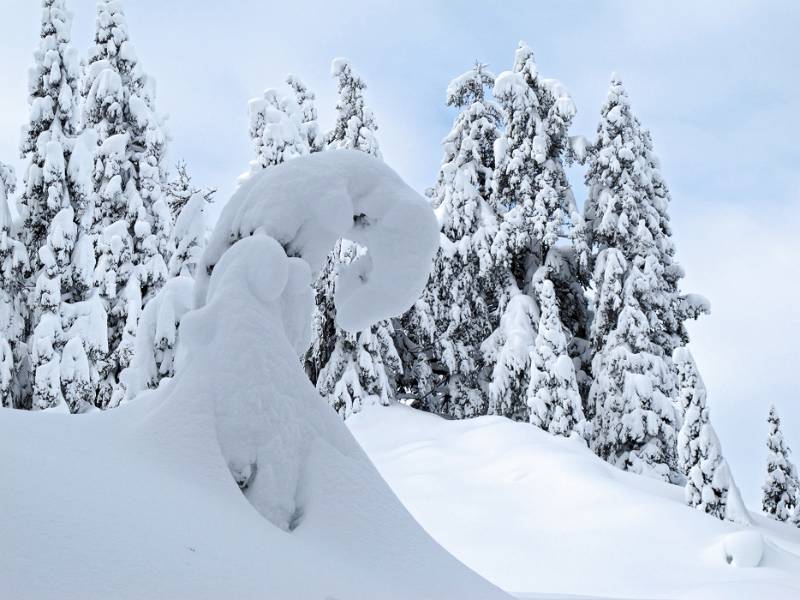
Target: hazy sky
716, 82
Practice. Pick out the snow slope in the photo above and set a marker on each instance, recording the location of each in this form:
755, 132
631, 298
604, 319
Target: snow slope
143, 502
538, 514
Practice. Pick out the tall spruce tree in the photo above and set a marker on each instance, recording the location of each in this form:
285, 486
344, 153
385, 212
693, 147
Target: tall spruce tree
699, 451
132, 221
14, 364
538, 211
453, 316
56, 207
781, 489
639, 314
350, 370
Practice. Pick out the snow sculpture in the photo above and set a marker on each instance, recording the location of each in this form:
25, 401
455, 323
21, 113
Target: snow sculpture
238, 352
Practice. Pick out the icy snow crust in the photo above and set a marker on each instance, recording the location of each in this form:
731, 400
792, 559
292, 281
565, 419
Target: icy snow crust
539, 514
140, 502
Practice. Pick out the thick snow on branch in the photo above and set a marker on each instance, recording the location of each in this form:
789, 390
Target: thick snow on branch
308, 203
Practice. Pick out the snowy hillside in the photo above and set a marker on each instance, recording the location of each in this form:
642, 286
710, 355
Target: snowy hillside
538, 514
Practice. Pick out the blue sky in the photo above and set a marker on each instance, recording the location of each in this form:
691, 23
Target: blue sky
716, 82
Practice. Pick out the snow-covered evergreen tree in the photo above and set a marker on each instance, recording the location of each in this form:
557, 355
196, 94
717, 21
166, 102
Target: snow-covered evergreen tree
538, 211
14, 365
355, 124
56, 206
454, 314
276, 129
553, 397
181, 189
781, 488
639, 314
699, 451
189, 206
509, 349
360, 370
309, 125
133, 221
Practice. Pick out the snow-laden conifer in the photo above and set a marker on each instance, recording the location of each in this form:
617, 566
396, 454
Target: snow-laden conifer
552, 395
309, 125
509, 349
699, 451
781, 487
537, 213
189, 206
453, 315
56, 204
133, 222
14, 363
355, 124
639, 314
275, 130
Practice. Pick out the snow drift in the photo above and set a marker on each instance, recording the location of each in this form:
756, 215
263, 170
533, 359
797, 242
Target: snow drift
143, 501
533, 512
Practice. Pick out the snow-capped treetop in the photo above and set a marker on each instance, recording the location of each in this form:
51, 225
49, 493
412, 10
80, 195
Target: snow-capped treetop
53, 80
112, 45
530, 154
276, 129
470, 86
308, 111
355, 124
627, 209
46, 140
181, 189
620, 209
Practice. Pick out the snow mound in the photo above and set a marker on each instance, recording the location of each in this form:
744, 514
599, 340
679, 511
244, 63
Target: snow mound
539, 514
143, 501
743, 548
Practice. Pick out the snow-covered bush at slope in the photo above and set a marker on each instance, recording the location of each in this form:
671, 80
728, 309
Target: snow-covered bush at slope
241, 404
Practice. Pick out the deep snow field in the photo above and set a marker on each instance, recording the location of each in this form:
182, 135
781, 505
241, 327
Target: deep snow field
538, 514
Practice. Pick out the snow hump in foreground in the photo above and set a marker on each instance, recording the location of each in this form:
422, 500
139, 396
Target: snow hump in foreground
143, 501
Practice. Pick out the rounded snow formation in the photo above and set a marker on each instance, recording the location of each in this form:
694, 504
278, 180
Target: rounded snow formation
308, 203
743, 549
